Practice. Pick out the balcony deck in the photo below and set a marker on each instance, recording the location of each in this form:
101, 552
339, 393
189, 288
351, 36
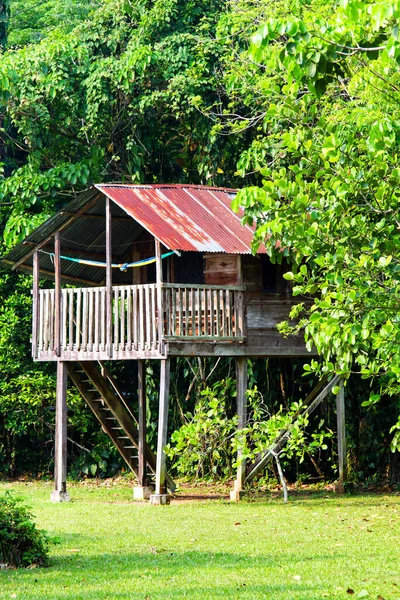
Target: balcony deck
189, 313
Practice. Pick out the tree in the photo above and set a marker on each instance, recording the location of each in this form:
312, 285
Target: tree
31, 21
327, 155
4, 16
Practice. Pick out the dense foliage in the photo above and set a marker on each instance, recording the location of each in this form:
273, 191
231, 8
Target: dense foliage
21, 543
301, 108
327, 156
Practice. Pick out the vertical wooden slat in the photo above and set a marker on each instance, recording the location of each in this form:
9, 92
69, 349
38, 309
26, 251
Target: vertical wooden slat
148, 316
173, 312
122, 317
193, 310
71, 318
108, 278
35, 304
216, 312
115, 300
103, 319
167, 304
223, 312
153, 317
78, 319
141, 318
212, 313
205, 312
180, 304
234, 313
229, 312
41, 318
96, 345
46, 333
84, 319
52, 315
186, 321
64, 313
129, 319
135, 316
198, 310
90, 319
242, 317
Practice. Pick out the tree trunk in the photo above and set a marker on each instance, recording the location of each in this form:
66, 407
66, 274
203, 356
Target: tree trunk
4, 16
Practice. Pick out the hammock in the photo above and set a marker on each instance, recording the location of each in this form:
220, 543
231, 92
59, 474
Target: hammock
122, 266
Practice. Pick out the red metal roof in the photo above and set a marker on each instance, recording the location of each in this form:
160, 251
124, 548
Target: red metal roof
185, 217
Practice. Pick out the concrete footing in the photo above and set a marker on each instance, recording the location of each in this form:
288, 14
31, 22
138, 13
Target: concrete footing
236, 495
142, 492
160, 499
57, 496
339, 487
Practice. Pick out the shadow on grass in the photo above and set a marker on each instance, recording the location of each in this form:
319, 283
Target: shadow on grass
160, 574
319, 497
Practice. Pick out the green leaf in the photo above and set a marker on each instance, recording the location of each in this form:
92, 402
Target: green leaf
288, 276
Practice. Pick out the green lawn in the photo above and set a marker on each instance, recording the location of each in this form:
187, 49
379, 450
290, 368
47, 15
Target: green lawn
110, 547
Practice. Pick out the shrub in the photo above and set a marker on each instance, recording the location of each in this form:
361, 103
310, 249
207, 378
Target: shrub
21, 543
202, 447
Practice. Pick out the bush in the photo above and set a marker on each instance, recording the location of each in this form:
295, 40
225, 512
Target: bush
21, 543
202, 447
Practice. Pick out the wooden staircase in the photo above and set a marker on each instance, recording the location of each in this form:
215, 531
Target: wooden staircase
108, 405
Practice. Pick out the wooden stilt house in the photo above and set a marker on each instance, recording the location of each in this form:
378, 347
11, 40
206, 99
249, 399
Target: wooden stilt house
163, 271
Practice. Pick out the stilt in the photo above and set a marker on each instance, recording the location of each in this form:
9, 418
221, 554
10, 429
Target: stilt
341, 437
35, 304
160, 496
241, 389
142, 491
60, 493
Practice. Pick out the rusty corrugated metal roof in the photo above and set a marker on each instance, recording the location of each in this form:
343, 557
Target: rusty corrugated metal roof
185, 217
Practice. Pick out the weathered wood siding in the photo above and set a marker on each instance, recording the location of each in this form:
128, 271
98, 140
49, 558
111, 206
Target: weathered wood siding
222, 269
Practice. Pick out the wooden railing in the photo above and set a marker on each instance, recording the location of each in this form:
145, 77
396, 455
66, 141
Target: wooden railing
189, 312
203, 312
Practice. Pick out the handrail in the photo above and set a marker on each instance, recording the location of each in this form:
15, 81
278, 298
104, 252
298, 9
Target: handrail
202, 286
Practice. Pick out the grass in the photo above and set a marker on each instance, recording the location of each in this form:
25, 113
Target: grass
315, 547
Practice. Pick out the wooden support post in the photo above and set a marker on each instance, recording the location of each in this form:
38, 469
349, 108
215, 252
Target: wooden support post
57, 294
108, 278
60, 493
35, 305
143, 491
160, 496
160, 308
341, 437
142, 422
241, 389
